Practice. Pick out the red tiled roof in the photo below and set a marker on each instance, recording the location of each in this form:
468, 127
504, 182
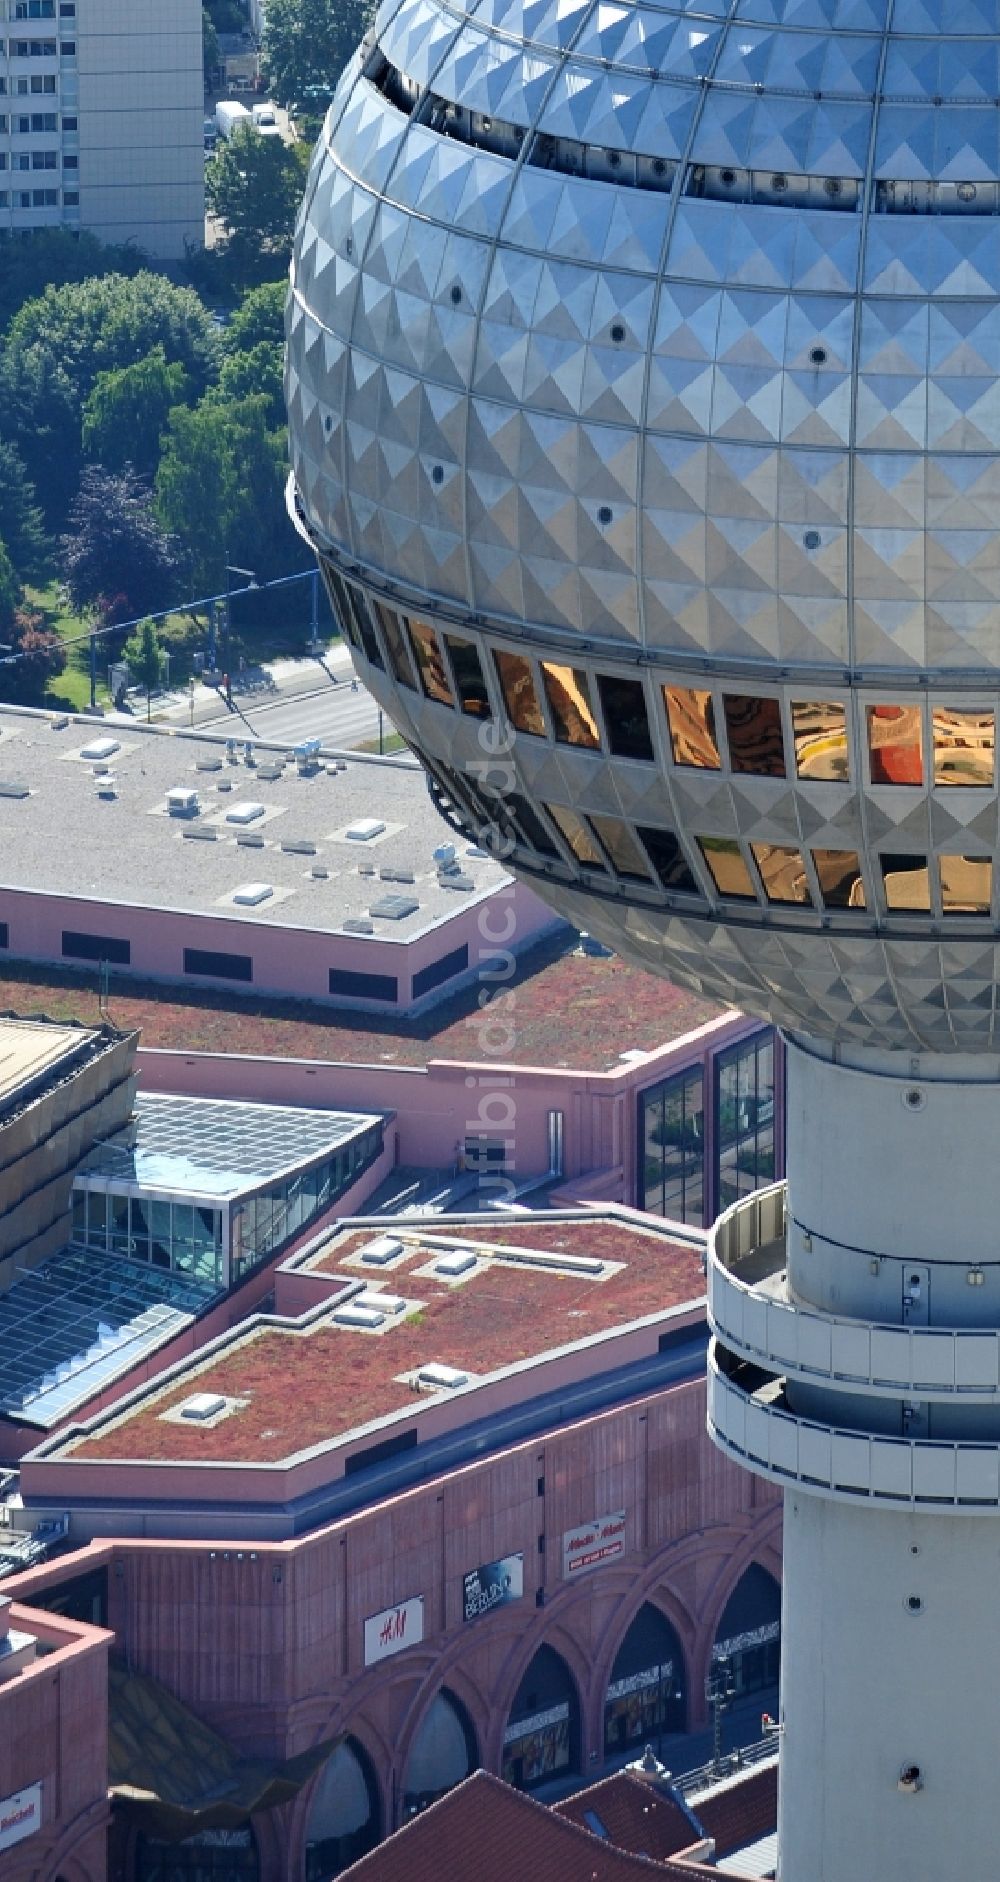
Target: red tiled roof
483, 1831
308, 1387
741, 1812
636, 1815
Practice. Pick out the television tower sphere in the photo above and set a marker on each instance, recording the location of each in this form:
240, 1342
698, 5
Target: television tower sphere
643, 384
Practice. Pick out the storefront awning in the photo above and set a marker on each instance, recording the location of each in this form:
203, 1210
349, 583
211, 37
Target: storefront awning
173, 1775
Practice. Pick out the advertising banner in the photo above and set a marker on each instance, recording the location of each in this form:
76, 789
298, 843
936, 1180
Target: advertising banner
395, 1628
492, 1585
592, 1545
20, 1815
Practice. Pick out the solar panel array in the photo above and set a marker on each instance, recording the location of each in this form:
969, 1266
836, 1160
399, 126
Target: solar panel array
69, 1327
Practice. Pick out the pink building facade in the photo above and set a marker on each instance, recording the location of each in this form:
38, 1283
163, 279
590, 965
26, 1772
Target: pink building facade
54, 1812
356, 1638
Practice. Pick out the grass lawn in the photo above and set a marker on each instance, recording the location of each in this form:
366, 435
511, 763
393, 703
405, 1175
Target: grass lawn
68, 691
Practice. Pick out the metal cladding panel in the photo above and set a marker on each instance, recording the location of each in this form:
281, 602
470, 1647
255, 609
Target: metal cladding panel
676, 331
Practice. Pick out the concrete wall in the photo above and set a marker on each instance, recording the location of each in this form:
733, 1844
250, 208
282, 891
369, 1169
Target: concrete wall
141, 108
53, 1731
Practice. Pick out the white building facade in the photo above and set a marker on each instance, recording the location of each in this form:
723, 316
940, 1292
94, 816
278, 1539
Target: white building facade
101, 108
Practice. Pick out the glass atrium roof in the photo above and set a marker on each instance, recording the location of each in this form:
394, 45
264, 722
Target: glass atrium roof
215, 1147
69, 1327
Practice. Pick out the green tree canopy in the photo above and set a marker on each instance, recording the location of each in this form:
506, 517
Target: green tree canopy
211, 57
116, 548
257, 373
21, 526
220, 491
253, 186
10, 593
144, 658
125, 412
54, 257
307, 43
57, 345
40, 656
259, 316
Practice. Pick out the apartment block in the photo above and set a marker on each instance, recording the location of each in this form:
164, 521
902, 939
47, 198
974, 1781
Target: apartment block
101, 107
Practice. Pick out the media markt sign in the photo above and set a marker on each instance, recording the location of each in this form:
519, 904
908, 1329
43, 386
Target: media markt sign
394, 1629
20, 1815
492, 1585
592, 1545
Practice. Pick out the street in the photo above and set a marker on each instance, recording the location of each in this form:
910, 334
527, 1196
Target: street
340, 717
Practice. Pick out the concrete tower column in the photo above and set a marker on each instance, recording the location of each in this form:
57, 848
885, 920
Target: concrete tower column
856, 1361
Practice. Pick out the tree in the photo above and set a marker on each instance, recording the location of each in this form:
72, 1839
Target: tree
211, 57
307, 43
253, 187
115, 545
126, 411
38, 657
10, 592
21, 526
144, 658
57, 345
220, 490
259, 316
256, 374
53, 258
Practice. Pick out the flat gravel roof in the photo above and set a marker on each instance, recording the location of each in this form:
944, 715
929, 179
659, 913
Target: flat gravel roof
101, 828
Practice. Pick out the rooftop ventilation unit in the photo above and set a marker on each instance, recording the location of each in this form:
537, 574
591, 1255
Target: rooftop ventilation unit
364, 830
182, 802
270, 773
357, 924
8, 789
381, 1251
448, 881
441, 1377
208, 764
101, 748
202, 1405
298, 845
318, 873
381, 1303
245, 813
252, 894
461, 1262
444, 853
250, 839
397, 875
354, 1316
394, 907
203, 833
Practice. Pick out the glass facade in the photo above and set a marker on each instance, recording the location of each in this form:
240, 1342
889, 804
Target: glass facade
187, 1238
672, 1126
744, 1118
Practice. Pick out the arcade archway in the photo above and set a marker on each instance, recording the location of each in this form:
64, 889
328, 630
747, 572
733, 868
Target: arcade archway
443, 1752
345, 1816
542, 1737
647, 1690
749, 1632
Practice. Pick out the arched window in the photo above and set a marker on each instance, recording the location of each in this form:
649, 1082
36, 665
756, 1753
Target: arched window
441, 1755
345, 1818
542, 1738
749, 1633
646, 1693
209, 1856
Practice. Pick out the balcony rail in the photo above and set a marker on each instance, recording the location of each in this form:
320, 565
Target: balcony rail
761, 1324
849, 1466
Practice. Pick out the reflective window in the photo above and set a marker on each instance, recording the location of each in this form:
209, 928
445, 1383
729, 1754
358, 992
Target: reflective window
672, 1135
577, 835
963, 746
840, 881
399, 658
469, 677
782, 872
745, 1118
517, 683
668, 859
756, 741
819, 729
906, 882
729, 872
895, 747
430, 661
530, 827
691, 718
626, 856
568, 694
625, 718
966, 884
358, 606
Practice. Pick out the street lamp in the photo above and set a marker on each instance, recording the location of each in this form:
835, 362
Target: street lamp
720, 1690
251, 582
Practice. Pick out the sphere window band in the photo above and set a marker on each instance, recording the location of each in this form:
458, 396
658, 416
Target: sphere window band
691, 718
470, 680
517, 684
819, 736
782, 872
964, 746
895, 745
568, 693
756, 740
430, 663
